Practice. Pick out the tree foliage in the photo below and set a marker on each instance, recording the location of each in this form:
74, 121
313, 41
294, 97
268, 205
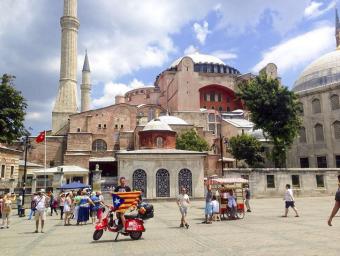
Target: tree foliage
275, 110
12, 111
246, 147
190, 140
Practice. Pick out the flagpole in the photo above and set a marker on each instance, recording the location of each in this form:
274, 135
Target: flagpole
45, 162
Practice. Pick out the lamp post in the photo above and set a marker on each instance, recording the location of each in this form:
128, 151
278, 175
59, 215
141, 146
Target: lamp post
26, 145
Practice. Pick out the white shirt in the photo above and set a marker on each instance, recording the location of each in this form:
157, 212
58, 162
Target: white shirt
289, 195
183, 200
41, 203
215, 206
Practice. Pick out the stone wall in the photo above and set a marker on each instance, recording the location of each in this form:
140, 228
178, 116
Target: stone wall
260, 186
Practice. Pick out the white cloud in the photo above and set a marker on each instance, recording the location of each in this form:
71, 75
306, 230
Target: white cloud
201, 31
112, 89
299, 50
314, 9
224, 55
190, 49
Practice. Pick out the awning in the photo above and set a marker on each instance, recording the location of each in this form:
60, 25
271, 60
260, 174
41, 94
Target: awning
102, 159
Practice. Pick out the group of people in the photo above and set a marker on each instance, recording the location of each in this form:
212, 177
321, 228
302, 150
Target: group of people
77, 205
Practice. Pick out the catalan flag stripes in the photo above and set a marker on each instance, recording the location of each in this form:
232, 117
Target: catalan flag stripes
131, 199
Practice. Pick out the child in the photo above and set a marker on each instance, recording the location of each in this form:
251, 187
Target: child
215, 206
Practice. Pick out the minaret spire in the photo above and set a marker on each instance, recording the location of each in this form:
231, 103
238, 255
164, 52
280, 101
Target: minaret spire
66, 101
85, 86
337, 29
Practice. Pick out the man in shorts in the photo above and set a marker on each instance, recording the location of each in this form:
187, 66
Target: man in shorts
183, 203
289, 201
40, 213
336, 204
208, 206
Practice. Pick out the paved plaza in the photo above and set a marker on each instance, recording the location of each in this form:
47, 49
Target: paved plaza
262, 232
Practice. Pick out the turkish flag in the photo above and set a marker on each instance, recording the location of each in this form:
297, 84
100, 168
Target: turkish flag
40, 137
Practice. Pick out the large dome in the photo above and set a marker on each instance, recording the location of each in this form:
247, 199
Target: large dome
199, 58
321, 72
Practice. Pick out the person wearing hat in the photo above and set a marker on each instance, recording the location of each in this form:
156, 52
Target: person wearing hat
41, 203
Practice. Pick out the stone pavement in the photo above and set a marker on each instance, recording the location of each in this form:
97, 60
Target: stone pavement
262, 232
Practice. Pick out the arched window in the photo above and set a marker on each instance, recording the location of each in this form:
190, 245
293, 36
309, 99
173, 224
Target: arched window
318, 132
162, 183
335, 102
185, 180
303, 138
336, 126
316, 106
99, 145
159, 142
139, 181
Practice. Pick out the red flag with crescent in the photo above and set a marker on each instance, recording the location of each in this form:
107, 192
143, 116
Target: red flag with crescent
40, 137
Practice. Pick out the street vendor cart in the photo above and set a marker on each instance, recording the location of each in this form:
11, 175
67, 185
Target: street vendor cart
225, 189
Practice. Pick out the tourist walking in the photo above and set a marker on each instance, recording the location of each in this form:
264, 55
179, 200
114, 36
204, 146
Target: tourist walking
289, 201
247, 197
67, 210
232, 203
19, 204
208, 206
61, 204
32, 210
84, 208
76, 202
183, 203
336, 204
1, 201
101, 206
6, 209
40, 202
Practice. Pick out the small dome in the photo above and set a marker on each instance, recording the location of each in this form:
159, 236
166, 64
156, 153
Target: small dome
199, 58
172, 120
321, 72
157, 125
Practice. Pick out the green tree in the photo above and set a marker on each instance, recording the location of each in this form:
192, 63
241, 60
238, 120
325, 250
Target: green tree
246, 147
12, 111
190, 140
275, 110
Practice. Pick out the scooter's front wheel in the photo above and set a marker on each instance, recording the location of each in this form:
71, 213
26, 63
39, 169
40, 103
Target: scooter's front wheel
97, 234
135, 235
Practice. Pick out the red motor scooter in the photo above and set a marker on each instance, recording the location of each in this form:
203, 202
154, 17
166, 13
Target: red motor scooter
134, 225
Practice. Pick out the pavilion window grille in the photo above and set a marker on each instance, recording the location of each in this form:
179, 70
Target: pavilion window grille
185, 180
139, 181
336, 126
99, 145
316, 106
319, 132
335, 102
159, 142
303, 138
162, 183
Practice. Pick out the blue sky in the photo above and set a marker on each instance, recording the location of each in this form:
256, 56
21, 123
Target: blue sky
129, 43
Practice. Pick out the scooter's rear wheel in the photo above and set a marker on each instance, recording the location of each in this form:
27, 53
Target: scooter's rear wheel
97, 234
135, 235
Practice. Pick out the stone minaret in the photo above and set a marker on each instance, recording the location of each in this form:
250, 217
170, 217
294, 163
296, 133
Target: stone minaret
337, 29
66, 101
85, 86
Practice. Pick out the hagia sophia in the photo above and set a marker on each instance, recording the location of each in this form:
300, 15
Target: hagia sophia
135, 137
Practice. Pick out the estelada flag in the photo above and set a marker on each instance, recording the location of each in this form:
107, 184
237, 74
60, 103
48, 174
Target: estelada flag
125, 200
40, 137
